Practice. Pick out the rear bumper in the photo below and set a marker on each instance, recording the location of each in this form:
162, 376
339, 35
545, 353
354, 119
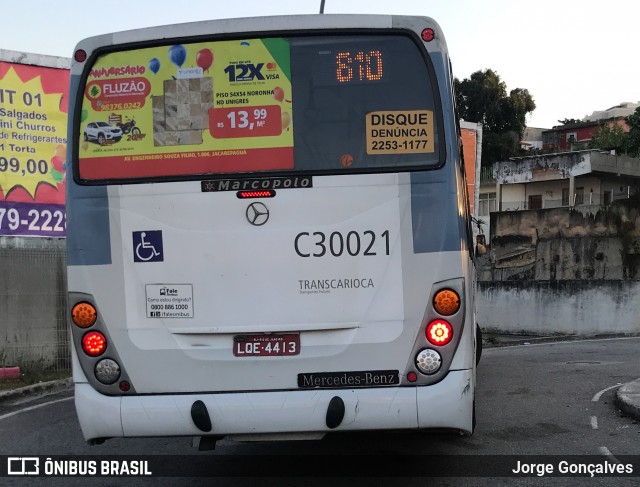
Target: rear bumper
447, 404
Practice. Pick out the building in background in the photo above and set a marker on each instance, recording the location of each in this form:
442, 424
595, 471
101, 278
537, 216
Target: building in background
472, 152
579, 178
576, 136
532, 138
33, 142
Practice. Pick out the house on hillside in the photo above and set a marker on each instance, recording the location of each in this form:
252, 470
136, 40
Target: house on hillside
532, 138
563, 216
570, 179
576, 136
567, 179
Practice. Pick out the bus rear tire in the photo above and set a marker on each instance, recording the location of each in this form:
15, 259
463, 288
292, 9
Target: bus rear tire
478, 344
473, 418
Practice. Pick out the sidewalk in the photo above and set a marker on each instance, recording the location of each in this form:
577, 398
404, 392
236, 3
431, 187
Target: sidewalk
39, 388
628, 398
492, 339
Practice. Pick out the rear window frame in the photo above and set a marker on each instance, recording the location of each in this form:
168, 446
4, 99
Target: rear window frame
343, 32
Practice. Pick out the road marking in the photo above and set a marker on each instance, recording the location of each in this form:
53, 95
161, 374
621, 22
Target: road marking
594, 422
31, 408
605, 451
596, 398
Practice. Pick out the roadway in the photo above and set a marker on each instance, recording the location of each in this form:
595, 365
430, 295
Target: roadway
542, 399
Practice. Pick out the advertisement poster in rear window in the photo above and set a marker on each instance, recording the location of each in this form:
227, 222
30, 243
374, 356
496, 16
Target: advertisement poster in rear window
185, 109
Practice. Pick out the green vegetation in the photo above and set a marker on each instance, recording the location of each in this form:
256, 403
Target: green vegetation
483, 98
611, 136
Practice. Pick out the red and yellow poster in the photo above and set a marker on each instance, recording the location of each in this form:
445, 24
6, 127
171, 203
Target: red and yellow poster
33, 144
188, 109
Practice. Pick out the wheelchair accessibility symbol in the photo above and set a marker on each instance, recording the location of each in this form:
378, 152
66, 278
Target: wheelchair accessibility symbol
147, 246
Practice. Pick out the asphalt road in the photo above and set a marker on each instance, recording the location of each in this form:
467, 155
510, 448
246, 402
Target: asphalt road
545, 399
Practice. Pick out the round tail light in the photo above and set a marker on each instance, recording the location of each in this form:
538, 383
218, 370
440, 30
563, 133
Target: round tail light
80, 55
428, 361
439, 332
94, 344
446, 302
107, 371
84, 315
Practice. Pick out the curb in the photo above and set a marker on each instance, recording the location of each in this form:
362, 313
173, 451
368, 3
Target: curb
51, 386
508, 340
628, 398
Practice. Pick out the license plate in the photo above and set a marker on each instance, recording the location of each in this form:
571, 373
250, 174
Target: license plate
266, 345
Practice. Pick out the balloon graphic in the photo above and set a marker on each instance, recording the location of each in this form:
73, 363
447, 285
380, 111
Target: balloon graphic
57, 169
286, 120
278, 93
61, 152
154, 65
177, 55
204, 59
83, 115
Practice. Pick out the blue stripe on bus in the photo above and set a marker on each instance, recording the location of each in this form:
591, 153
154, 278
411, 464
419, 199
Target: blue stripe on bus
435, 220
437, 224
88, 235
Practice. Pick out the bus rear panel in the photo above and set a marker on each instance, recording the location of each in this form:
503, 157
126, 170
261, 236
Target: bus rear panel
268, 231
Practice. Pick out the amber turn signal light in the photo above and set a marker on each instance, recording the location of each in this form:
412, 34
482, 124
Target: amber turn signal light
446, 302
84, 315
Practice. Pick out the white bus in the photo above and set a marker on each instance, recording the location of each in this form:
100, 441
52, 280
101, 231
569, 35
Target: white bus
268, 231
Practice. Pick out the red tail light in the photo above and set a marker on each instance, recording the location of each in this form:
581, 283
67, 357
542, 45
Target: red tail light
94, 343
439, 332
80, 55
266, 193
428, 35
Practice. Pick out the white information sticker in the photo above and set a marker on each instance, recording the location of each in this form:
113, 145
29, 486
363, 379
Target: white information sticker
169, 300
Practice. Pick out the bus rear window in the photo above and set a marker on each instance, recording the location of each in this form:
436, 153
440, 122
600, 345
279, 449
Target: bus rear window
323, 104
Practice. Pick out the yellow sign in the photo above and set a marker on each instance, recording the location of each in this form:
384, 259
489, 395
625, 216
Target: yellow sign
32, 131
191, 109
400, 132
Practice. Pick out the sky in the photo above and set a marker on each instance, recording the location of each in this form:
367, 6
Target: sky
575, 57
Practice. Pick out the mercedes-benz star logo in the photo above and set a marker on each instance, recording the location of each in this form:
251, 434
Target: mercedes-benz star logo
257, 214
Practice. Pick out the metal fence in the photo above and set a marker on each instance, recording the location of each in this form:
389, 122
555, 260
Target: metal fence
486, 174
33, 303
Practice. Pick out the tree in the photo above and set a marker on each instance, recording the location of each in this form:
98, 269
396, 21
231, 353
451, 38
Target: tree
483, 98
611, 136
608, 136
567, 121
632, 143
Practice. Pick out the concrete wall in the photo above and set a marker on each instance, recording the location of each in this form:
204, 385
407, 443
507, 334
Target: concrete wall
563, 307
570, 271
542, 168
560, 244
33, 329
